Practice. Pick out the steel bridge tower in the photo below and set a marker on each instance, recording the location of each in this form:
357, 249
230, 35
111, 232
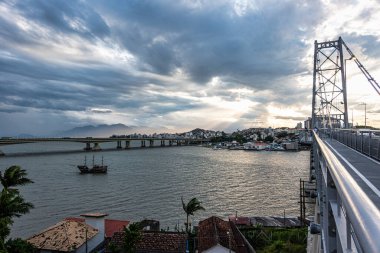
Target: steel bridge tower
329, 86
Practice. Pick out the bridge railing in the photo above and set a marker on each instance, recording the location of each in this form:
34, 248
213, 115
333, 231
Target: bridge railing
349, 219
366, 141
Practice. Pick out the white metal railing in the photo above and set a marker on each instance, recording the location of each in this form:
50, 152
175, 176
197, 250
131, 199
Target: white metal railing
341, 193
363, 140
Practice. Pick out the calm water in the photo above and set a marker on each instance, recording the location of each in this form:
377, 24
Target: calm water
149, 183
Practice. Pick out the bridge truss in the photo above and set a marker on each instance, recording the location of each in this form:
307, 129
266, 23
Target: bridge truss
329, 84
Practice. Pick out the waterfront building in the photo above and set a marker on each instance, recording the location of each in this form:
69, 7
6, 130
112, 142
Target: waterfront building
78, 235
219, 236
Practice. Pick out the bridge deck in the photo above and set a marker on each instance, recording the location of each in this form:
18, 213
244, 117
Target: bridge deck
364, 170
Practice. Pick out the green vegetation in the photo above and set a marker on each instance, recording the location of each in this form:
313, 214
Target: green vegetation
190, 208
12, 205
277, 240
19, 246
132, 234
269, 138
131, 237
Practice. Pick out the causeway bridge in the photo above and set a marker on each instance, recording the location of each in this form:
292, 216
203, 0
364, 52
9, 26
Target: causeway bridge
94, 143
345, 162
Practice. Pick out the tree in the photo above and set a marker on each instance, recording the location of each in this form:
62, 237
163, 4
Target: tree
14, 176
131, 237
190, 208
11, 202
18, 245
269, 138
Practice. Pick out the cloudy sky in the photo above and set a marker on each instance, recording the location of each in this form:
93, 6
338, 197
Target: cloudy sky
177, 65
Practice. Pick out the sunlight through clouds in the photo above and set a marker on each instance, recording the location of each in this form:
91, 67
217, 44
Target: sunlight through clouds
175, 65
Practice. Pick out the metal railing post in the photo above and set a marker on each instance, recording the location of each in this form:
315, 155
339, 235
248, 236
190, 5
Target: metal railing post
362, 142
348, 233
356, 140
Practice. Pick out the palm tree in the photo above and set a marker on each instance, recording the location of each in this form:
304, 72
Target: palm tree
11, 202
14, 176
190, 208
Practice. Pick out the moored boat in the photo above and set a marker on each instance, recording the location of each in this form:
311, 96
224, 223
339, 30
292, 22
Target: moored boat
84, 169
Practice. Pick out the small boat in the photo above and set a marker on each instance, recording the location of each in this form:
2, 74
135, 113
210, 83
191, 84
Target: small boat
84, 169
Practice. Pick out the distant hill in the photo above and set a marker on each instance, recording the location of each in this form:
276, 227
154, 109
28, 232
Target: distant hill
105, 130
96, 131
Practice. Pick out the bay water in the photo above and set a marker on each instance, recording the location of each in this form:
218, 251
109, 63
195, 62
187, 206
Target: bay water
149, 183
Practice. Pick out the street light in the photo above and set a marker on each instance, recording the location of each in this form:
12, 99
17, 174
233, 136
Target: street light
365, 114
345, 78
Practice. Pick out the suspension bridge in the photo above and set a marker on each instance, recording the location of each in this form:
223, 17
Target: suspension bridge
345, 162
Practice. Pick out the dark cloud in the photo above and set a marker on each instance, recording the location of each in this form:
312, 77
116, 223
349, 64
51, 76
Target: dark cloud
62, 57
66, 17
211, 42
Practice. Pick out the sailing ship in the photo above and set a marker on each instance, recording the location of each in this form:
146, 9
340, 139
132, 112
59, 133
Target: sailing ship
84, 169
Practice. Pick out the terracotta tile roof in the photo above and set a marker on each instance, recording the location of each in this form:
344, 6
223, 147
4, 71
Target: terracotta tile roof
156, 242
63, 236
112, 226
213, 231
75, 219
240, 220
162, 242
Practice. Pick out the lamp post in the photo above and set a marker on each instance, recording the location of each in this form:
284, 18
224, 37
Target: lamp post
365, 114
345, 78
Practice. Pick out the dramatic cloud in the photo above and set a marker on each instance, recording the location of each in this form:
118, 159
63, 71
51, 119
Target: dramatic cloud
174, 64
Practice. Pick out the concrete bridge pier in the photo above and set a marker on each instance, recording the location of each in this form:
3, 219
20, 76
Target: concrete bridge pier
143, 143
170, 143
127, 144
96, 147
88, 146
162, 143
118, 145
151, 143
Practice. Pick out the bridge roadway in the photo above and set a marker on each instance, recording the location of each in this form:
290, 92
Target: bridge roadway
10, 141
365, 170
89, 140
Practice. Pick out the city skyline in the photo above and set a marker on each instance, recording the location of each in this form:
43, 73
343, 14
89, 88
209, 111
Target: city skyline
176, 65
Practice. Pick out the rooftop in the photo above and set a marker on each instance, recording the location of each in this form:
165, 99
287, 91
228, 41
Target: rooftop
157, 242
113, 226
215, 231
63, 236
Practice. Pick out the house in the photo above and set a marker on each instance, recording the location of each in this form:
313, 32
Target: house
65, 236
218, 236
69, 235
113, 226
239, 220
155, 242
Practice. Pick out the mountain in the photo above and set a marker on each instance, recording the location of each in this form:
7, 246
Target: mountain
108, 130
96, 131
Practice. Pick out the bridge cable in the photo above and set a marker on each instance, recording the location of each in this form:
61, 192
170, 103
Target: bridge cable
370, 79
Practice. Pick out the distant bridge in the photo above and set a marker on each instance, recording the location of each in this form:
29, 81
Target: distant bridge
93, 144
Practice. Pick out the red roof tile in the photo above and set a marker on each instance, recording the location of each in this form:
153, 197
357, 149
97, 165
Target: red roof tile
75, 219
112, 226
214, 231
157, 242
240, 220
